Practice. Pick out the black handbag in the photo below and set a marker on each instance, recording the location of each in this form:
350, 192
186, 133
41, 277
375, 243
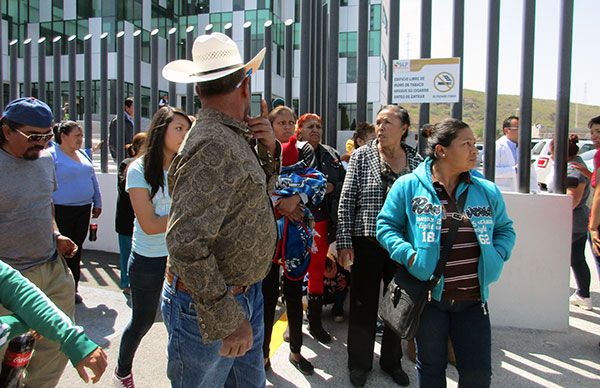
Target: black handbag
406, 296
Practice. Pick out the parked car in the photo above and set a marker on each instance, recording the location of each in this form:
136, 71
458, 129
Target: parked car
540, 157
480, 154
588, 158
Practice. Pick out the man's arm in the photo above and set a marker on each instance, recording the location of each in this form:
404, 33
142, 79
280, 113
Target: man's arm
202, 188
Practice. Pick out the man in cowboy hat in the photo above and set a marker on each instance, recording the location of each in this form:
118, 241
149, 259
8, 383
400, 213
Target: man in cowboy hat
222, 233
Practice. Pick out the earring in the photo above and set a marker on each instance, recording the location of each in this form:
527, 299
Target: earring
443, 155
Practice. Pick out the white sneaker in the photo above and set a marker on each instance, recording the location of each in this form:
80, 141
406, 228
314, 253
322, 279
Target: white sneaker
123, 382
584, 303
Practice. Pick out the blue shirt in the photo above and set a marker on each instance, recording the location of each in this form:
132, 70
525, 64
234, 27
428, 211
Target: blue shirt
149, 245
513, 148
77, 183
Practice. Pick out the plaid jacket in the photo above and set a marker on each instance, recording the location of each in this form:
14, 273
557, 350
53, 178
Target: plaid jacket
363, 193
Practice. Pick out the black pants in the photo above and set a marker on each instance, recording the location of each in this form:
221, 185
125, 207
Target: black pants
371, 264
292, 291
580, 267
146, 275
73, 222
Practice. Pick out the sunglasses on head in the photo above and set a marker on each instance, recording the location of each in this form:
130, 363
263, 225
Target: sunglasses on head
37, 137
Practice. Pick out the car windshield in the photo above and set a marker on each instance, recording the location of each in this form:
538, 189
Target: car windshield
588, 154
538, 148
586, 148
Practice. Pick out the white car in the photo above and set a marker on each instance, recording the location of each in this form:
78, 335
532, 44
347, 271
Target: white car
540, 157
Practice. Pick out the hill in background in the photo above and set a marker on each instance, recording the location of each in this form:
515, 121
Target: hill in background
544, 112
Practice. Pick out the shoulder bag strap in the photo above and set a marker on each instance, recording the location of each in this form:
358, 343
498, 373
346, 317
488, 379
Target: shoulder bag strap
449, 241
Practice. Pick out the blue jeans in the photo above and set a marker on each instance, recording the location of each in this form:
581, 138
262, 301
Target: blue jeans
193, 363
146, 275
124, 252
467, 324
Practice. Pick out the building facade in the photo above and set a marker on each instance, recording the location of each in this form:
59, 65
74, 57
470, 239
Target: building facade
34, 19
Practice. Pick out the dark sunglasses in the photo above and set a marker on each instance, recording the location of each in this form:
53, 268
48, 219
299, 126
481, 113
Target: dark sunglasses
37, 137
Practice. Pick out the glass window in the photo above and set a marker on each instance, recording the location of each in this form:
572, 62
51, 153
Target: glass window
351, 70
343, 44
375, 17
57, 9
238, 5
352, 44
374, 43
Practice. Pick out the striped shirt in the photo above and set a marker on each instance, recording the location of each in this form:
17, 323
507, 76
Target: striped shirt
460, 274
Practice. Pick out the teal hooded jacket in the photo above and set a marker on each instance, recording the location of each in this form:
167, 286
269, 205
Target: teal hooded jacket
411, 219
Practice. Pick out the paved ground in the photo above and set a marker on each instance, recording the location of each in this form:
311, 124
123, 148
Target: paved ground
521, 358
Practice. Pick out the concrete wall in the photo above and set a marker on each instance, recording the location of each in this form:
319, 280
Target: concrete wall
533, 290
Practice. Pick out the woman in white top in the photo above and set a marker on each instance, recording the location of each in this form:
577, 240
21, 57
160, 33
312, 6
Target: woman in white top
149, 194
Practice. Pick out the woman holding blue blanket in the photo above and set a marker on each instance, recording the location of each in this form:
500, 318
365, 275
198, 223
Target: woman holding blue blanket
413, 226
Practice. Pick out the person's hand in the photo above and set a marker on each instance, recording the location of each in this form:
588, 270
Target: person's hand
96, 212
595, 237
96, 361
346, 257
239, 342
582, 168
65, 246
261, 128
291, 207
97, 146
329, 188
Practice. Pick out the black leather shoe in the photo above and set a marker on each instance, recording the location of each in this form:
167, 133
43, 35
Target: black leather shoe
303, 365
358, 377
398, 375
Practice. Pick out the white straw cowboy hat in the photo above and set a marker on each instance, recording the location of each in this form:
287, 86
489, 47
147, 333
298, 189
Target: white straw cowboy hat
214, 56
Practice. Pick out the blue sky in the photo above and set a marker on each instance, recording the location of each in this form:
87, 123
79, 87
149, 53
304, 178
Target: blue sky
585, 80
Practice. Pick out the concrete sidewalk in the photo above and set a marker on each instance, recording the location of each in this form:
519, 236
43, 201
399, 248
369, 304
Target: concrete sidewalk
521, 358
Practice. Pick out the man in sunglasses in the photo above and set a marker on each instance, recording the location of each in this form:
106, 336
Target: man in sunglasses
29, 239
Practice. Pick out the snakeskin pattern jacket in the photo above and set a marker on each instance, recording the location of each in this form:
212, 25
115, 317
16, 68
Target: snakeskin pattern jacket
222, 229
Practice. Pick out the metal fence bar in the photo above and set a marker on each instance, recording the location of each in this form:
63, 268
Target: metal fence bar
154, 97
27, 67
72, 50
248, 48
332, 71
563, 98
322, 67
56, 80
268, 69
526, 105
289, 58
317, 42
362, 61
87, 90
173, 56
12, 50
120, 96
104, 102
425, 53
137, 81
458, 32
393, 43
491, 90
42, 69
304, 56
189, 91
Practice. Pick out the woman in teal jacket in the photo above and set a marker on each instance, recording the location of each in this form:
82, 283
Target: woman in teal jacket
412, 226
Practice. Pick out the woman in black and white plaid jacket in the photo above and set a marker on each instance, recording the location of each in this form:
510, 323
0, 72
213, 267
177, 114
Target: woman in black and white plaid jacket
372, 170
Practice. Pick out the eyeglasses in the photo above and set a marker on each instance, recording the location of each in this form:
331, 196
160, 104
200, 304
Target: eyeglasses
37, 137
513, 128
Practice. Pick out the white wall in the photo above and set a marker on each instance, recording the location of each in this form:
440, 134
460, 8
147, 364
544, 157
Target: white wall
533, 291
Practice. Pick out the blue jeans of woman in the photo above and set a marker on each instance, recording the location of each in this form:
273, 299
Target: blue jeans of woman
124, 253
146, 276
467, 323
193, 363
581, 271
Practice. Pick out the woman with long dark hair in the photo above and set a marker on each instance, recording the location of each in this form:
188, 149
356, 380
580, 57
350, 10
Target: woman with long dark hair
149, 194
